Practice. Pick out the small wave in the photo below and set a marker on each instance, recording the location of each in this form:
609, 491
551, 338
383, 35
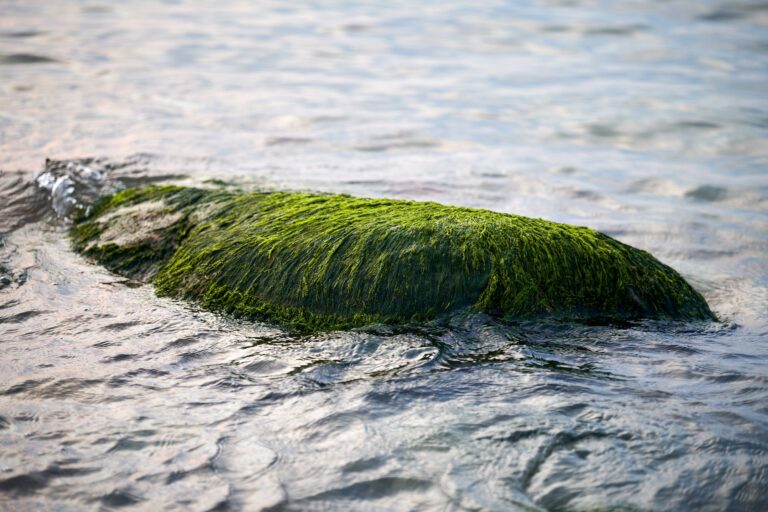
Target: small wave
23, 484
707, 193
24, 387
26, 58
74, 185
20, 317
375, 489
21, 33
119, 498
20, 202
734, 12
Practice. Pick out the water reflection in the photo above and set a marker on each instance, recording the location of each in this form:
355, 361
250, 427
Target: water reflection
646, 121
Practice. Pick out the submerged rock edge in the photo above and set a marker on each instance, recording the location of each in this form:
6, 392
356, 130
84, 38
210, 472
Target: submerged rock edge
320, 262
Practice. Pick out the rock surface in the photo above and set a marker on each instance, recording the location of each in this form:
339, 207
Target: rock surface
316, 262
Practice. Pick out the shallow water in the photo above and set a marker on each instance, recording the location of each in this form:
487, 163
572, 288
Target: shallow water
645, 120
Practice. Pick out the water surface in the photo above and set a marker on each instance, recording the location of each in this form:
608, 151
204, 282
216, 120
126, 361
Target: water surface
645, 120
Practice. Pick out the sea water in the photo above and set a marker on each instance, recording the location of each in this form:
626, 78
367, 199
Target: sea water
646, 120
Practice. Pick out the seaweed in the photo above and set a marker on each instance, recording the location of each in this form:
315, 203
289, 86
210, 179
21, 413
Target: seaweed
318, 262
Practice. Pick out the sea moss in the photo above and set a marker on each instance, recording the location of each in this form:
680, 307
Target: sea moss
150, 223
321, 261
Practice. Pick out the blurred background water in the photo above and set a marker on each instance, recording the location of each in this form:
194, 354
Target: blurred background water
647, 120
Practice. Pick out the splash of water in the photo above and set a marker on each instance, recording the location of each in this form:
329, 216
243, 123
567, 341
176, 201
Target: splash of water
74, 185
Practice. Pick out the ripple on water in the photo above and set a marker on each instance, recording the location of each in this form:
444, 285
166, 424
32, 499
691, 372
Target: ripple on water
21, 317
375, 493
26, 58
708, 193
589, 113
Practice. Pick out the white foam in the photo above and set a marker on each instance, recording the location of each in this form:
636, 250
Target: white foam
74, 185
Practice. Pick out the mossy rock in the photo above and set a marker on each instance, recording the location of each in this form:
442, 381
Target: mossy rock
317, 262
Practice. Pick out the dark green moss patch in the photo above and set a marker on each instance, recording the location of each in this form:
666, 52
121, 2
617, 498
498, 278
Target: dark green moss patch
320, 262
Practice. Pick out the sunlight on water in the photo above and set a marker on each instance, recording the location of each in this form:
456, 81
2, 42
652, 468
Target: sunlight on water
642, 119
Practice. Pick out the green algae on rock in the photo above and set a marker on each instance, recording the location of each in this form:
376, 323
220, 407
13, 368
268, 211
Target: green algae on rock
317, 262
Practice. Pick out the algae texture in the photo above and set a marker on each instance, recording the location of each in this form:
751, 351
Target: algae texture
319, 262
